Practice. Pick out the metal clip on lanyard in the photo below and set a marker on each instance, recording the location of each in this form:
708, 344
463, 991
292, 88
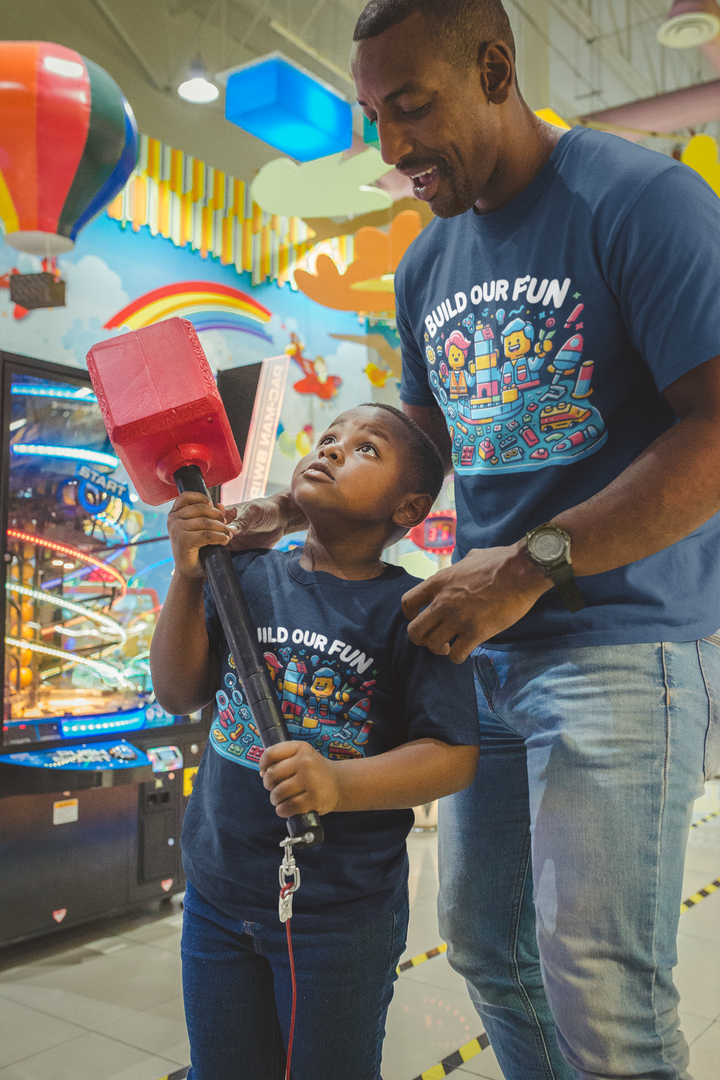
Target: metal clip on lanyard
289, 877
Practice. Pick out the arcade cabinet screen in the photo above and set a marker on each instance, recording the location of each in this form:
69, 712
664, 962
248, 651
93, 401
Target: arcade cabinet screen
87, 567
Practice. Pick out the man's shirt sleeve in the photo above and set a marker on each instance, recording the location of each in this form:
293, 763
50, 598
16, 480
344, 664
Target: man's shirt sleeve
664, 268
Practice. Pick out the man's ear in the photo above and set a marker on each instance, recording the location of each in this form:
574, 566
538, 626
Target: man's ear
412, 510
497, 71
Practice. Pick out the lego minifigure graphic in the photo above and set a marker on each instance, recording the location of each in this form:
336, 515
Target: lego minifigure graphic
456, 348
325, 699
517, 338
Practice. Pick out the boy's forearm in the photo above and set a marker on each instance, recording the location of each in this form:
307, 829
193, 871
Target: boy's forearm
415, 773
180, 660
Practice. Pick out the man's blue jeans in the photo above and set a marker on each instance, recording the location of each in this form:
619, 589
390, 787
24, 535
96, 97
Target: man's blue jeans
561, 867
238, 995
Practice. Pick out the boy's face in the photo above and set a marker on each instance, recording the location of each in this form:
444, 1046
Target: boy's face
356, 470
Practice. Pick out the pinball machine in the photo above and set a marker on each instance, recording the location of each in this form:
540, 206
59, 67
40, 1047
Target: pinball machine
94, 774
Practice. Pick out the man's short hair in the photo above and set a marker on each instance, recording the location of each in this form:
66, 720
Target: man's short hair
461, 27
427, 472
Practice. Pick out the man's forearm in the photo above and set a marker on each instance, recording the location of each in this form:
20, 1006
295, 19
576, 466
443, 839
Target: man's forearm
670, 490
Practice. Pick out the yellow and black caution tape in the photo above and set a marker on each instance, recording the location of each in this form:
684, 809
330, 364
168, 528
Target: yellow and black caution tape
699, 895
437, 951
708, 817
180, 1074
456, 1059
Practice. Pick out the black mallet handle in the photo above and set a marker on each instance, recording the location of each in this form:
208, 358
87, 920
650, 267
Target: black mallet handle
251, 667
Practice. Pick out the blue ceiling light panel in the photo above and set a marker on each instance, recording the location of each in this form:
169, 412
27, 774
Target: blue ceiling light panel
289, 109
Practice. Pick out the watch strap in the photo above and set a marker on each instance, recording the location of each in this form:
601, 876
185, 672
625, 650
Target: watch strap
564, 581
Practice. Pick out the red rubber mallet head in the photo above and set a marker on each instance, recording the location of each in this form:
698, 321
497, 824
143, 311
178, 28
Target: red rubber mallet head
162, 409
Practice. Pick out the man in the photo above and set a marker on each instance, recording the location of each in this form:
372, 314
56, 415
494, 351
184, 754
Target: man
561, 867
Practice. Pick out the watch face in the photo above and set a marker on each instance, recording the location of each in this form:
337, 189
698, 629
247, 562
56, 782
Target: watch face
548, 546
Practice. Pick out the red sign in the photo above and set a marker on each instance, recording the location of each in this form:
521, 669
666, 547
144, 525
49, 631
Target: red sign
436, 533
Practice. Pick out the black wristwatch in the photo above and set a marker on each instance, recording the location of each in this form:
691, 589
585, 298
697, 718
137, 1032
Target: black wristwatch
549, 547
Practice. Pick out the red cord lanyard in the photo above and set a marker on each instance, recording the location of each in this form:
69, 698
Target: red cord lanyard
289, 883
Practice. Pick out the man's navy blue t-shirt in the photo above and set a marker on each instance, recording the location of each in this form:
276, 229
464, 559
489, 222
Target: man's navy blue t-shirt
546, 332
352, 684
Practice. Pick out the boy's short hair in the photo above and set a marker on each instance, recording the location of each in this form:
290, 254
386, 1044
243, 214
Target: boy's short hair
426, 473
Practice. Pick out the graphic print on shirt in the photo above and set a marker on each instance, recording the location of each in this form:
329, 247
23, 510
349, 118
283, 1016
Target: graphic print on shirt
324, 701
510, 376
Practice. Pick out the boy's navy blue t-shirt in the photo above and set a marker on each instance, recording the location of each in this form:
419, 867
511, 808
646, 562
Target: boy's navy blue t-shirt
546, 332
352, 684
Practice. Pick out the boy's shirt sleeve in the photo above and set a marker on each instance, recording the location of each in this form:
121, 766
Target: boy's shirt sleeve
438, 696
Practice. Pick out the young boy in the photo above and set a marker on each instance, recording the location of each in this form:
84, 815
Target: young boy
378, 725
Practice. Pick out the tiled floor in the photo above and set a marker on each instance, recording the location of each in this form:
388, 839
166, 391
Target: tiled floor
104, 1002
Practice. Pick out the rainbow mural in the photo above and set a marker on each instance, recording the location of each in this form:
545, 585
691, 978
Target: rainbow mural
206, 305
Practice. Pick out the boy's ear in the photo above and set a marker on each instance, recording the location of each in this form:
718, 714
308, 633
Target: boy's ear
412, 510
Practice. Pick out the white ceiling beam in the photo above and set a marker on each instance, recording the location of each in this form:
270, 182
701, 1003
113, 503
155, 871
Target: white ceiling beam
309, 51
592, 34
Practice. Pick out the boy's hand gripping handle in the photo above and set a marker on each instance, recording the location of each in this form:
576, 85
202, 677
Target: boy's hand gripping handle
251, 667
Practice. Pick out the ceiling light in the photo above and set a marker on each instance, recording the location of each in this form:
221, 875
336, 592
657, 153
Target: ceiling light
688, 30
198, 90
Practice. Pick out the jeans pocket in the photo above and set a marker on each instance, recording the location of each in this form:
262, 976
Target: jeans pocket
487, 679
398, 933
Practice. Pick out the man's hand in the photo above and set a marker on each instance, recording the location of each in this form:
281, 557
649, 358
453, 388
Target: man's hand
193, 523
299, 779
262, 522
464, 605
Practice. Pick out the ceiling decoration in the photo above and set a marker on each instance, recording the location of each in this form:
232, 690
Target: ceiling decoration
367, 284
189, 202
701, 154
291, 110
68, 142
334, 186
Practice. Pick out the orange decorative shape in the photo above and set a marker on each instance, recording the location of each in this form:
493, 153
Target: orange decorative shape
376, 254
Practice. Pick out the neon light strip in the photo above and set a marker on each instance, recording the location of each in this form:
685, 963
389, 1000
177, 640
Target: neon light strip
64, 549
72, 452
45, 391
105, 671
146, 570
68, 605
86, 724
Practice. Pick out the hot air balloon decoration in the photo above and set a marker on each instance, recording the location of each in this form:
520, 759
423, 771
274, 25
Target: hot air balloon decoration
68, 144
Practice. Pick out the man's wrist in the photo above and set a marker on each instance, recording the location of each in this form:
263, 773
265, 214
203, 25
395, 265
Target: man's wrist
292, 516
530, 577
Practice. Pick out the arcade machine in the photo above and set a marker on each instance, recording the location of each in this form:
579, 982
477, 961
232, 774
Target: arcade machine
94, 775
